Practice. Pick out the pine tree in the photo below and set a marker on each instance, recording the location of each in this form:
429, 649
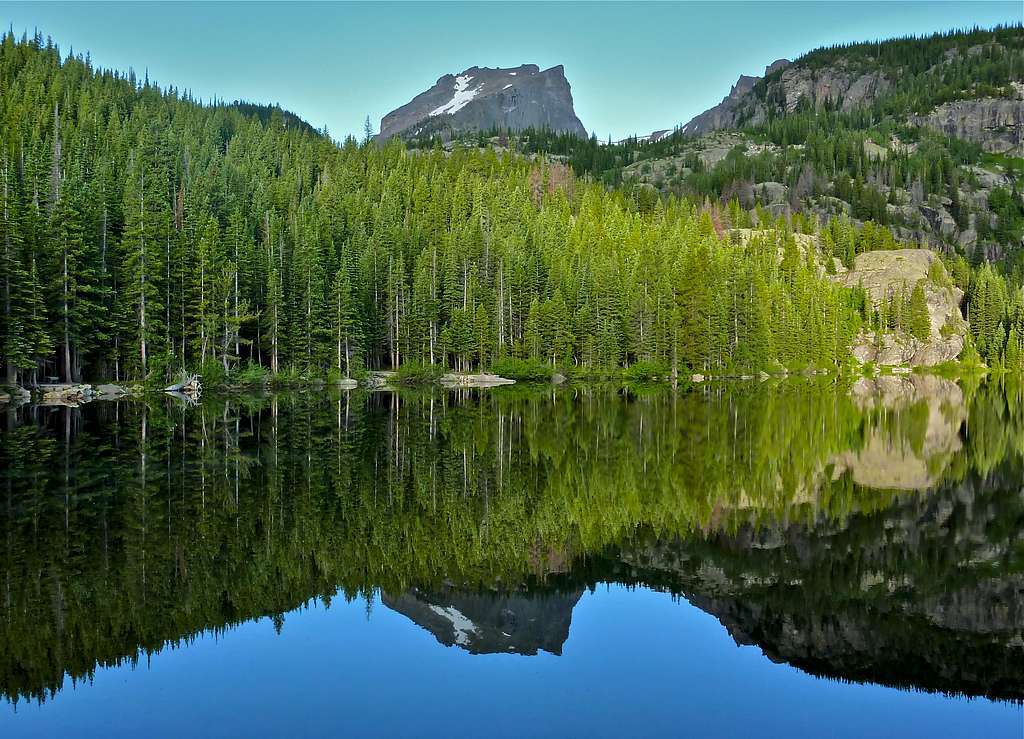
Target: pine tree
919, 322
344, 325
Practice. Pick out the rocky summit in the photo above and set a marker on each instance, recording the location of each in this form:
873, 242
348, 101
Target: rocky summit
481, 99
725, 114
990, 116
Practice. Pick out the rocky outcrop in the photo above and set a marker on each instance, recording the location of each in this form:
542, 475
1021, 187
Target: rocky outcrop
478, 380
710, 150
722, 115
481, 98
110, 391
881, 274
816, 87
65, 394
997, 124
911, 217
786, 86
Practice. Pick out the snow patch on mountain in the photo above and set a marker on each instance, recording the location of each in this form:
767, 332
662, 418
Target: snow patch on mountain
482, 98
462, 97
462, 628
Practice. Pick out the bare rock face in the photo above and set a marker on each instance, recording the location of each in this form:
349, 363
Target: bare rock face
819, 86
787, 85
722, 115
900, 350
997, 124
881, 273
481, 98
725, 114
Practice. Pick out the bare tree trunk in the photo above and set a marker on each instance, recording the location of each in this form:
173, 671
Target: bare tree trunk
227, 337
202, 310
236, 326
12, 370
67, 332
142, 274
55, 165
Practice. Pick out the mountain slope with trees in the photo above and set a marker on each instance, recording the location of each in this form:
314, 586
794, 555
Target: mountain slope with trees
923, 135
143, 233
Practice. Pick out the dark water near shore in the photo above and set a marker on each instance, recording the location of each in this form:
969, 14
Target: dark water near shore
753, 558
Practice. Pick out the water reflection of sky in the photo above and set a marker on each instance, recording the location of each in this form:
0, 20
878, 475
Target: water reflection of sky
636, 663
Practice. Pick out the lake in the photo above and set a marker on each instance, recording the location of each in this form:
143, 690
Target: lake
780, 557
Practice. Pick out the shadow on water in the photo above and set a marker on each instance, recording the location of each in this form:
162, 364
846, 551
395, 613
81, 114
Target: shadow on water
868, 533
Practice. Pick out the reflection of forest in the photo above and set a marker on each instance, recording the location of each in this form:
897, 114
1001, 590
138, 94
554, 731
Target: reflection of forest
127, 524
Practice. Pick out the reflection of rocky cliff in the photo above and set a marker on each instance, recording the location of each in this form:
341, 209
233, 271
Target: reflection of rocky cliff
967, 643
490, 622
928, 594
916, 437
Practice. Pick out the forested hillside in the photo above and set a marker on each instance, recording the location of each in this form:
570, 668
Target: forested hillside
920, 134
144, 233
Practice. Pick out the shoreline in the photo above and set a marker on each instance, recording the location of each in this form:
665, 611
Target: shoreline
75, 394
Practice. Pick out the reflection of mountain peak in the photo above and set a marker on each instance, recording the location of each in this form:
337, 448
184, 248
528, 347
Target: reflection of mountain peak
490, 622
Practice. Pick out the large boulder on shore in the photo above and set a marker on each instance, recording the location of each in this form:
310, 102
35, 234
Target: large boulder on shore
882, 273
110, 391
479, 380
65, 394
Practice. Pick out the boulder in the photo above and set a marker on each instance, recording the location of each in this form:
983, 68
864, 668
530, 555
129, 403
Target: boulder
771, 193
64, 394
890, 349
479, 380
988, 179
881, 273
378, 379
110, 390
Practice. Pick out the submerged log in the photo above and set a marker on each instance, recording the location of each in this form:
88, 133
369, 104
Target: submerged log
188, 385
188, 400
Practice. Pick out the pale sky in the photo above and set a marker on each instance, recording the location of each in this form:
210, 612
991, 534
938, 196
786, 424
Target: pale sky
633, 67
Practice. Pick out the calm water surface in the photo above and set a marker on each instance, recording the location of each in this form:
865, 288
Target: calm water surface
785, 558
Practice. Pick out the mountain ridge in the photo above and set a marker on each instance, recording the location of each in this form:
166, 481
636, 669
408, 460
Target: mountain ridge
484, 98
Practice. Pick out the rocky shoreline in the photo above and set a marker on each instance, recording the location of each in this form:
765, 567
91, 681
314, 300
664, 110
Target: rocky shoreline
76, 394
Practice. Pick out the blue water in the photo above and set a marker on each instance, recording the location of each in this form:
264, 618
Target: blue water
636, 663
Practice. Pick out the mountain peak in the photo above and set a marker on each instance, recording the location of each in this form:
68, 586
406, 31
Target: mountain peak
481, 98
